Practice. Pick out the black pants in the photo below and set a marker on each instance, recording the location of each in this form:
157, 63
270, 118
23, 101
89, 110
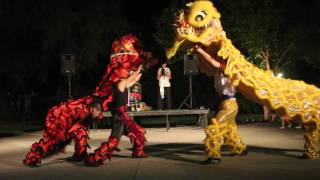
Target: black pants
166, 100
118, 127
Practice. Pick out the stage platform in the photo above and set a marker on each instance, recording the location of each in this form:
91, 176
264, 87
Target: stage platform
202, 114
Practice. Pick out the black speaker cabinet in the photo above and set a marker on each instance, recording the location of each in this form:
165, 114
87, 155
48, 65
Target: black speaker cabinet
68, 63
191, 64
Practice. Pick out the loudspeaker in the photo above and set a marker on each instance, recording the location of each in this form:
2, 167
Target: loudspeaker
191, 64
68, 63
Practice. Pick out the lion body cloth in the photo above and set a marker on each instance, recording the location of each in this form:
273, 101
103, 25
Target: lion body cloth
292, 99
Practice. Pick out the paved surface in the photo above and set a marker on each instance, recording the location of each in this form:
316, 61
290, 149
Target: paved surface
273, 154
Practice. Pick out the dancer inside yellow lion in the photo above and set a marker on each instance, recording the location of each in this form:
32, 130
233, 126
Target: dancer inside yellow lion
200, 24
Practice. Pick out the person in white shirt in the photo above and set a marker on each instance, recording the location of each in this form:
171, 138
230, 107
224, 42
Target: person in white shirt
164, 93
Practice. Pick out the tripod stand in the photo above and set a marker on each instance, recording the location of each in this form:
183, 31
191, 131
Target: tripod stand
188, 97
190, 63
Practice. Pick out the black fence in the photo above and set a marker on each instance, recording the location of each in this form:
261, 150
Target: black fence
25, 107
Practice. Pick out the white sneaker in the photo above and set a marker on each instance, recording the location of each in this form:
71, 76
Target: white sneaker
299, 127
282, 127
289, 125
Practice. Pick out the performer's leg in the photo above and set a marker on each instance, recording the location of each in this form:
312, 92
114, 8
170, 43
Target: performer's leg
103, 152
289, 123
217, 131
311, 135
232, 137
266, 114
136, 135
117, 127
79, 132
138, 140
160, 101
214, 139
40, 150
106, 148
283, 124
168, 97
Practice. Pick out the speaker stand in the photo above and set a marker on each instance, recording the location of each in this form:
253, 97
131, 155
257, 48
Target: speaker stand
69, 75
189, 96
69, 85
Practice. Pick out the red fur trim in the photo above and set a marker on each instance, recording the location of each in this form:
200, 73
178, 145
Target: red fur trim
103, 152
33, 158
81, 139
135, 132
59, 120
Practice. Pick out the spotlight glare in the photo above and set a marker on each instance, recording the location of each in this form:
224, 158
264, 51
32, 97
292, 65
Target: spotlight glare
280, 75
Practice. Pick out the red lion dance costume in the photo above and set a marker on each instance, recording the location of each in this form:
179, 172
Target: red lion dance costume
127, 55
64, 122
68, 120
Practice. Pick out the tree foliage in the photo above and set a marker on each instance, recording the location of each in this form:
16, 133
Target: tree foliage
165, 32
279, 34
271, 32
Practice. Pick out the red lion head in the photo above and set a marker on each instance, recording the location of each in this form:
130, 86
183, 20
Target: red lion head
125, 55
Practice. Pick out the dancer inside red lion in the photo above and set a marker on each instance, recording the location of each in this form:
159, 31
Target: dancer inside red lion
64, 122
126, 56
69, 120
122, 124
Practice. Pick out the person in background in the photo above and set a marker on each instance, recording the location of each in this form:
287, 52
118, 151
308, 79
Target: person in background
164, 93
269, 115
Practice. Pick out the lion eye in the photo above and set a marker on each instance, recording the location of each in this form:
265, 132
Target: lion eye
200, 16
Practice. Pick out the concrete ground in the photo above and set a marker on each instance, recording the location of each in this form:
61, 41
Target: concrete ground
176, 154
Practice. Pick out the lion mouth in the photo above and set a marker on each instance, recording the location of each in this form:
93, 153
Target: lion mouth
123, 53
216, 28
213, 24
199, 30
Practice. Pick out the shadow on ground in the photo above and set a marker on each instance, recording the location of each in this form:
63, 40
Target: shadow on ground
181, 152
175, 151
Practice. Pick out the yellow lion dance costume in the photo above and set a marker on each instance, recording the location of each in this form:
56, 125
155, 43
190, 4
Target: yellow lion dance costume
200, 23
